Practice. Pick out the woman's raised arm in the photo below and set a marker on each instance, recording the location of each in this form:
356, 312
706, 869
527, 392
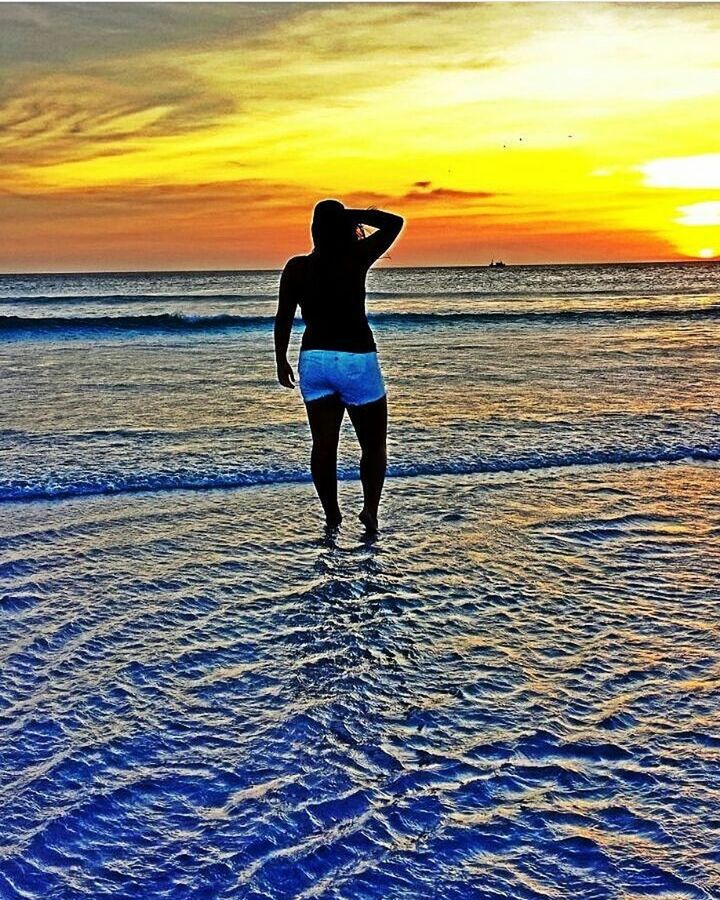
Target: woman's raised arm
389, 225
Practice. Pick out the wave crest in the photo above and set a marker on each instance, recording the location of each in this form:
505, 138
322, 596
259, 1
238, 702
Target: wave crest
174, 322
130, 483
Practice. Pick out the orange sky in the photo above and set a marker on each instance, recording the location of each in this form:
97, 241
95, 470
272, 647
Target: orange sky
180, 136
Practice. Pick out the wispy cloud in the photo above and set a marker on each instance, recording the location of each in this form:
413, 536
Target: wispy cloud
39, 35
441, 193
73, 116
702, 171
470, 117
700, 214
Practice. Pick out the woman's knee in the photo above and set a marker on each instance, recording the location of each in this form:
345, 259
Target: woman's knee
324, 451
375, 453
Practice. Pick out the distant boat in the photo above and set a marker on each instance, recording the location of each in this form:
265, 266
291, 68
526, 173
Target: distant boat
496, 264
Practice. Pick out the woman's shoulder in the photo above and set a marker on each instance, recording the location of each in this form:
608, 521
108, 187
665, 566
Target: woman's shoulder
298, 262
295, 269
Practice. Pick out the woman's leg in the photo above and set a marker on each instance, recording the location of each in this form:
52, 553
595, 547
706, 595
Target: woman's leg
325, 417
370, 423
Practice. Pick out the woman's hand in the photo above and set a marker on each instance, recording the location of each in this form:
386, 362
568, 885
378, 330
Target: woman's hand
388, 225
285, 373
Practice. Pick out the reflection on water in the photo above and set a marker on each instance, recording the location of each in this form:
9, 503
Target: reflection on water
540, 367
512, 692
337, 622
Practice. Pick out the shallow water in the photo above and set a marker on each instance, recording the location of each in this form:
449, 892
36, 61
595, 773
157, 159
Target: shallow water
512, 692
110, 399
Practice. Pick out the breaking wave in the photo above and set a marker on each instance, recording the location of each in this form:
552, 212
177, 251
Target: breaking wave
135, 482
186, 322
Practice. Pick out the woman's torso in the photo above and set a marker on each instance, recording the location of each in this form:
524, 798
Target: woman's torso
333, 304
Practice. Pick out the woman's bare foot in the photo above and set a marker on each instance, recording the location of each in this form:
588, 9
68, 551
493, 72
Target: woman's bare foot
369, 520
333, 521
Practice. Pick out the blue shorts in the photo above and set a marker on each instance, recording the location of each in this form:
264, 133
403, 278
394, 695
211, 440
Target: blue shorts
355, 377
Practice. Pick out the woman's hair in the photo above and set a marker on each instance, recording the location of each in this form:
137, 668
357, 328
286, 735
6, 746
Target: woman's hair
331, 227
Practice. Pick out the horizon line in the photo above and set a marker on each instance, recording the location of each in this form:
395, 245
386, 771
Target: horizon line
649, 262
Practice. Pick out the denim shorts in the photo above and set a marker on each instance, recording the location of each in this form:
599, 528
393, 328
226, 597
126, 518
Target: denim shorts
355, 377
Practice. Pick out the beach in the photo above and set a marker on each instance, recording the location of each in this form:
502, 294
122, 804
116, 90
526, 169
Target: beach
511, 691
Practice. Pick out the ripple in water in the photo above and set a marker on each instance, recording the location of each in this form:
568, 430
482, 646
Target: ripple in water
195, 705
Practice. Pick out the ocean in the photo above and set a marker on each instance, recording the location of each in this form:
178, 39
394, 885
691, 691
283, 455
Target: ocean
513, 691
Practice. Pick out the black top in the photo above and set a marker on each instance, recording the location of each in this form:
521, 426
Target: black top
333, 301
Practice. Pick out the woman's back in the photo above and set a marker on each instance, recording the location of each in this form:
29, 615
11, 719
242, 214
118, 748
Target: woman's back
332, 301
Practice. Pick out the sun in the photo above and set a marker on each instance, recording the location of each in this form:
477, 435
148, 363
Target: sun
706, 253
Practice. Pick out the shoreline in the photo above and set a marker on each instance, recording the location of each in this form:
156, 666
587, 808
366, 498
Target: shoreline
488, 476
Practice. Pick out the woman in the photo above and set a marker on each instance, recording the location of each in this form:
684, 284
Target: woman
338, 365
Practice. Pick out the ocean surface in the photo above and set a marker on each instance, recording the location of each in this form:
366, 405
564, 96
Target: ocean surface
512, 692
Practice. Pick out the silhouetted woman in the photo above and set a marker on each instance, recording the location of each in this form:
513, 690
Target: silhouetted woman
338, 364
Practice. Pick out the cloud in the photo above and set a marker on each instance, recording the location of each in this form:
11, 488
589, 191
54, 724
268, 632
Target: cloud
39, 35
445, 194
133, 201
74, 116
193, 117
130, 75
701, 171
700, 213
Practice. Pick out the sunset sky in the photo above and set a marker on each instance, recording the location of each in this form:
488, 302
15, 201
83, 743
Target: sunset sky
167, 136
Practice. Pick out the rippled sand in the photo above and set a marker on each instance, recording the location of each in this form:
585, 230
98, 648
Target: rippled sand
512, 693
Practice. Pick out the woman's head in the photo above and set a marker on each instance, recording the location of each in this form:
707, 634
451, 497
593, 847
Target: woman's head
331, 228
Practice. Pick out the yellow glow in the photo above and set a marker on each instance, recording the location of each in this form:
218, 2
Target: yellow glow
706, 253
529, 131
